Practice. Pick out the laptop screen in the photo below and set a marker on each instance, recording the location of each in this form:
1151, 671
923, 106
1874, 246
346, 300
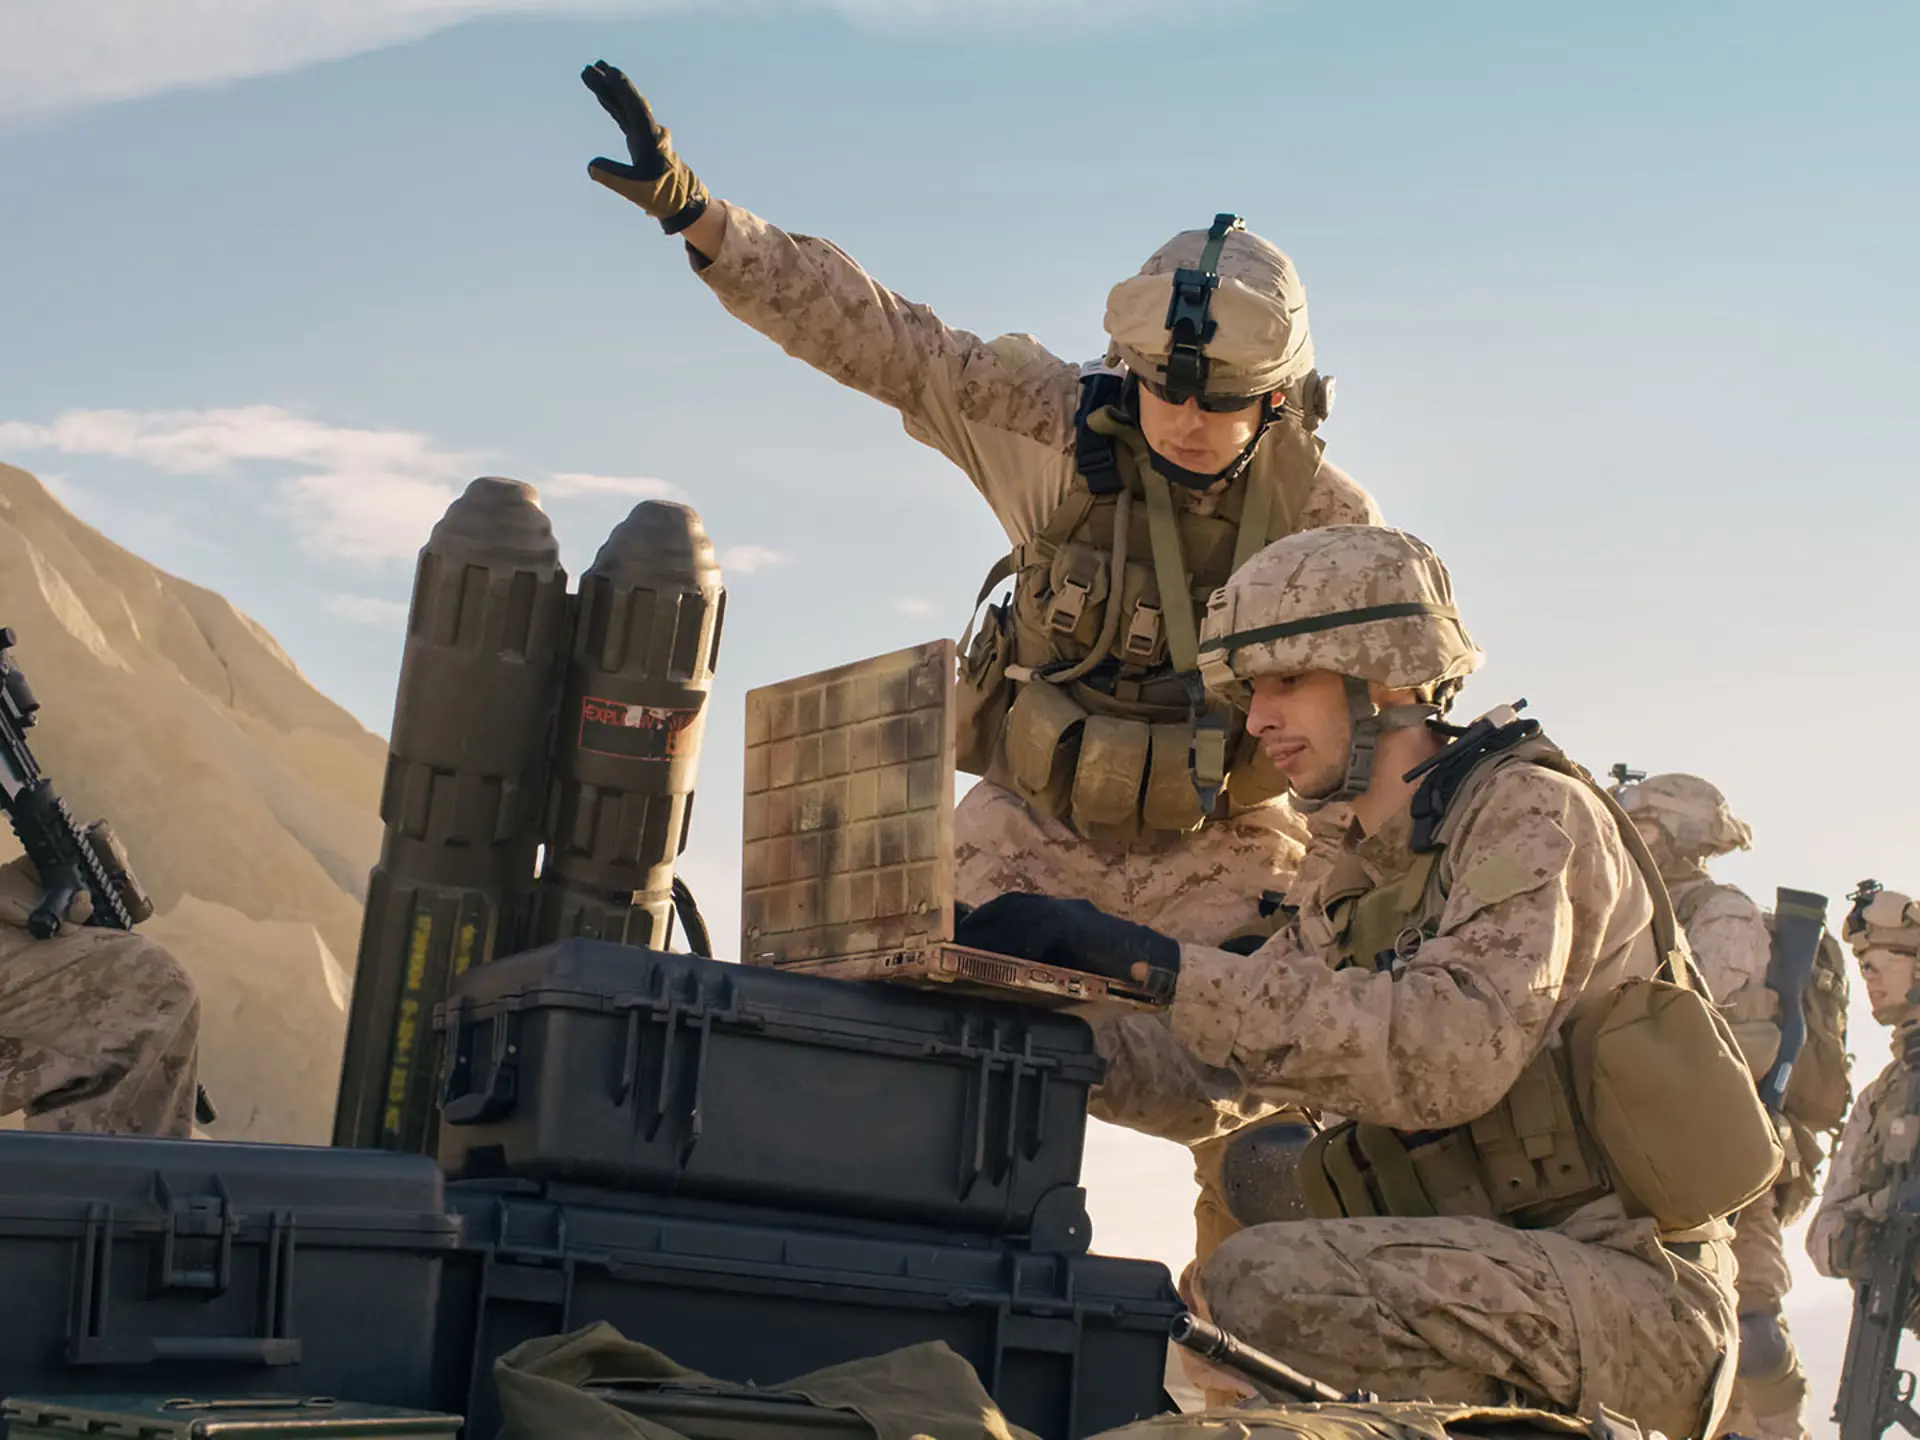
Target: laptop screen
847, 847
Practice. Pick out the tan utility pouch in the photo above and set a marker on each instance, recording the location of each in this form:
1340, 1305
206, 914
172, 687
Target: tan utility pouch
1800, 1177
1043, 743
1662, 1085
982, 692
1111, 768
1171, 802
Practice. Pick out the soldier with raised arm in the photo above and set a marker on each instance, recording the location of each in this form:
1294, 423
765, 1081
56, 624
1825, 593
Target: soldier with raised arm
1547, 1123
1127, 494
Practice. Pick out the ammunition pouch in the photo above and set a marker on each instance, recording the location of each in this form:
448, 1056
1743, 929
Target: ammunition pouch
1042, 745
1111, 769
1527, 1161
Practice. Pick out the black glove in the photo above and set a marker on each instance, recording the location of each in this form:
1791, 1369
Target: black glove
1074, 936
658, 181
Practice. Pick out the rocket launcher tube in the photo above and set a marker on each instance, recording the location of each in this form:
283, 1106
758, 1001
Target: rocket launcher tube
626, 743
461, 803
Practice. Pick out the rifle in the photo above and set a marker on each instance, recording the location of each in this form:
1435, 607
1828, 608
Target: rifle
1874, 1391
68, 858
1210, 1342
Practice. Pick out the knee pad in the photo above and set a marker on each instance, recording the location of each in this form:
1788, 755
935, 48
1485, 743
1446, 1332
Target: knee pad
1260, 1174
1765, 1352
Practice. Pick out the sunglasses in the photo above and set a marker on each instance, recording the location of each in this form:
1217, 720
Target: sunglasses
1212, 404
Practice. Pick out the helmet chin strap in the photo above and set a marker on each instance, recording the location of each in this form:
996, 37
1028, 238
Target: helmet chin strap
1366, 723
1198, 479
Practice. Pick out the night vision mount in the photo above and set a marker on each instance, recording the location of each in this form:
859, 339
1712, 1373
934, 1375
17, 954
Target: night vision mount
1189, 324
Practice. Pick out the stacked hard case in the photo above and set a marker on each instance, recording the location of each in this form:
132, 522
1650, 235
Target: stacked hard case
763, 1173
759, 1174
192, 1268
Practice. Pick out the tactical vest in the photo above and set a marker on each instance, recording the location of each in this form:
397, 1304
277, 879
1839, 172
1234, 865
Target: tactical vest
1081, 691
1536, 1157
1887, 1144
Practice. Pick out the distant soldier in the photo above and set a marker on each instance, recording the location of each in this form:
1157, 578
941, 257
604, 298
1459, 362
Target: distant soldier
1884, 930
1468, 966
1129, 492
1686, 822
99, 1028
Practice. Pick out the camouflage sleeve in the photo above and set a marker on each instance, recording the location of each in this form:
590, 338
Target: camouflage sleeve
1337, 499
1001, 410
1834, 1232
1730, 943
1543, 896
1155, 1086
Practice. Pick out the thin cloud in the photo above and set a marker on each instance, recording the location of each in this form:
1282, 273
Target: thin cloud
746, 559
354, 494
367, 609
59, 56
364, 495
915, 606
570, 484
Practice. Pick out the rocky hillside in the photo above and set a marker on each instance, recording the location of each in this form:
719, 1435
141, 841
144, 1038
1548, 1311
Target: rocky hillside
246, 798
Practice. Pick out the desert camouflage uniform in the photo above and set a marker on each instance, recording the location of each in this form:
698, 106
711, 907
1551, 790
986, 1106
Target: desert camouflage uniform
1728, 936
1595, 1310
1859, 1189
98, 1028
1686, 822
1003, 411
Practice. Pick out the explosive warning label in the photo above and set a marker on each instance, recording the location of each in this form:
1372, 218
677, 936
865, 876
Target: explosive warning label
634, 732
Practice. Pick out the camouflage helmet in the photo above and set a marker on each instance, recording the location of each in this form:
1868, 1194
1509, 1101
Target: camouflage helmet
1212, 312
1358, 600
1691, 815
1882, 920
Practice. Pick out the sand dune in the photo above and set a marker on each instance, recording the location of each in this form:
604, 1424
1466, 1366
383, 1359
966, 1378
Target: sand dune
246, 798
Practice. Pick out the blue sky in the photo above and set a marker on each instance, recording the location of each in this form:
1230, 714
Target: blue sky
1620, 299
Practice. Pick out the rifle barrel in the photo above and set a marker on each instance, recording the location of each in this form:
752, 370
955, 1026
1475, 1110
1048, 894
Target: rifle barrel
1210, 1342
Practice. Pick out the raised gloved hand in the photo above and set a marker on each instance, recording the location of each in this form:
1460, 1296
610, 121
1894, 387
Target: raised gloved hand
1074, 935
658, 181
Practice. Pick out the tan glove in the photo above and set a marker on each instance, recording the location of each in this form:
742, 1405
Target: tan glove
658, 181
20, 893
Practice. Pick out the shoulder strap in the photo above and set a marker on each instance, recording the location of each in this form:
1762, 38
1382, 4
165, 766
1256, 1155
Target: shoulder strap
1285, 467
1254, 523
1170, 573
1093, 451
1003, 568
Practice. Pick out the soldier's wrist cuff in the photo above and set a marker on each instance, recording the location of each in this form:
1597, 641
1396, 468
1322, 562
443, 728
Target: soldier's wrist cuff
686, 214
